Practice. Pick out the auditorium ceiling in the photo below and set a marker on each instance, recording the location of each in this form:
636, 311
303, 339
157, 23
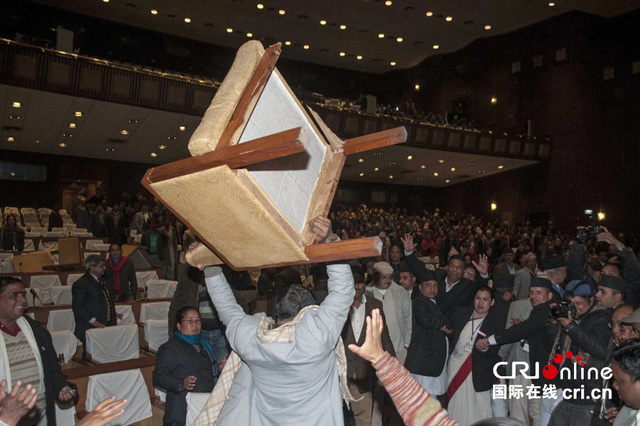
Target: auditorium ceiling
364, 35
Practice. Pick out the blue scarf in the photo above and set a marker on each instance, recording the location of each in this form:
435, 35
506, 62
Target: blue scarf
193, 339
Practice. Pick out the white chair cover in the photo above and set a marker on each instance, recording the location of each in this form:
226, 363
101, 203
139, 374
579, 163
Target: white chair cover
156, 332
65, 342
61, 319
88, 245
155, 310
116, 343
67, 416
39, 229
195, 404
28, 245
72, 278
161, 289
44, 283
6, 263
81, 230
30, 298
60, 295
144, 276
90, 253
127, 314
162, 395
49, 245
128, 384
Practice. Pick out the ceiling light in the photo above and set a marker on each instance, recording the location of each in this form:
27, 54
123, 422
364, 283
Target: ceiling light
417, 87
342, 54
390, 176
399, 39
229, 30
78, 114
187, 20
37, 141
124, 132
381, 35
343, 27
601, 215
13, 173
448, 18
500, 167
471, 163
62, 144
487, 27
359, 57
287, 43
360, 160
106, 1
17, 105
153, 154
436, 47
551, 4
392, 63
306, 47
72, 125
441, 161
154, 12
182, 128
10, 139
388, 3
260, 6
494, 206
447, 181
162, 146
494, 100
423, 166
429, 14
376, 169
410, 157
362, 174
249, 35
435, 174
282, 12
14, 117
323, 22
453, 169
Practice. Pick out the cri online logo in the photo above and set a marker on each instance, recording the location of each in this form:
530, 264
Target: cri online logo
550, 371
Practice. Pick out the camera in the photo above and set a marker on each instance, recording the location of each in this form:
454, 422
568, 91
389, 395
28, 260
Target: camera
562, 309
587, 232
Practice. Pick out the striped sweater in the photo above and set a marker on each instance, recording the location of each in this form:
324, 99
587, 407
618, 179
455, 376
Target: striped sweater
414, 404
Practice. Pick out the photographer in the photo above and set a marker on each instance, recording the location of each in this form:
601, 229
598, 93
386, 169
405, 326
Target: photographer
629, 266
585, 332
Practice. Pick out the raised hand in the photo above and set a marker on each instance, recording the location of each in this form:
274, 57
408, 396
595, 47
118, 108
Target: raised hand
409, 245
17, 403
371, 350
104, 412
321, 227
483, 265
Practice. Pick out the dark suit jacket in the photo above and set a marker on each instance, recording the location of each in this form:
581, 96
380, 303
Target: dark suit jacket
481, 362
88, 302
359, 371
460, 295
428, 348
128, 280
177, 360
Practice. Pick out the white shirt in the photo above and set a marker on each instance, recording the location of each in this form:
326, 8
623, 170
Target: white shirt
447, 286
358, 318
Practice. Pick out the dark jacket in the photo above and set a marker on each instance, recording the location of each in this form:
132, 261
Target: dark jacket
54, 380
359, 371
128, 279
481, 362
88, 302
11, 239
177, 360
427, 351
460, 294
161, 242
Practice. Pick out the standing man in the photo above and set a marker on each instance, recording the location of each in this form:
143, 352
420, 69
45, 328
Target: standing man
360, 373
626, 376
555, 270
397, 307
121, 275
523, 277
116, 225
27, 354
92, 299
508, 267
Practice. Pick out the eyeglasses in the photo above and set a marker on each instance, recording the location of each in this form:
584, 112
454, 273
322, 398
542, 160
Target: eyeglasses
192, 321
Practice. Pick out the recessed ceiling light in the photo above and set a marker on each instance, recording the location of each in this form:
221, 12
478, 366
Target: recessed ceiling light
249, 35
162, 146
78, 114
182, 128
154, 12
435, 174
417, 87
260, 6
14, 117
342, 54
388, 3
381, 35
37, 141
377, 153
361, 173
323, 22
17, 105
359, 57
447, 181
471, 163
399, 39
392, 63
501, 167
551, 4
106, 1
10, 139
229, 30
376, 169
306, 47
282, 12
153, 154
494, 100
72, 125
390, 176
410, 157
187, 20
287, 43
360, 160
429, 14
423, 166
441, 161
487, 27
62, 144
436, 47
343, 27
124, 132
13, 173
448, 18
453, 169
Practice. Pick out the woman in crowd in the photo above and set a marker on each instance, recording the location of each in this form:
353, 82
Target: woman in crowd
11, 235
470, 371
184, 364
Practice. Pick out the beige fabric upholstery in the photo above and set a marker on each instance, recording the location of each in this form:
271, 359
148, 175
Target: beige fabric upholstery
224, 193
201, 255
215, 120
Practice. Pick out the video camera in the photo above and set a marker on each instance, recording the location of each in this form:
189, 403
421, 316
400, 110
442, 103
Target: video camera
590, 231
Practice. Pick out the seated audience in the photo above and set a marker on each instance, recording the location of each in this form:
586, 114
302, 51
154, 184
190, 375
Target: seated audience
11, 235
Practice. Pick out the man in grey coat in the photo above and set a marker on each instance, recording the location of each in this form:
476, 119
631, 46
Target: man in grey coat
293, 381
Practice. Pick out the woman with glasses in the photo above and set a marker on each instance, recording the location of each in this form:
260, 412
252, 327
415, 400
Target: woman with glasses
185, 364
